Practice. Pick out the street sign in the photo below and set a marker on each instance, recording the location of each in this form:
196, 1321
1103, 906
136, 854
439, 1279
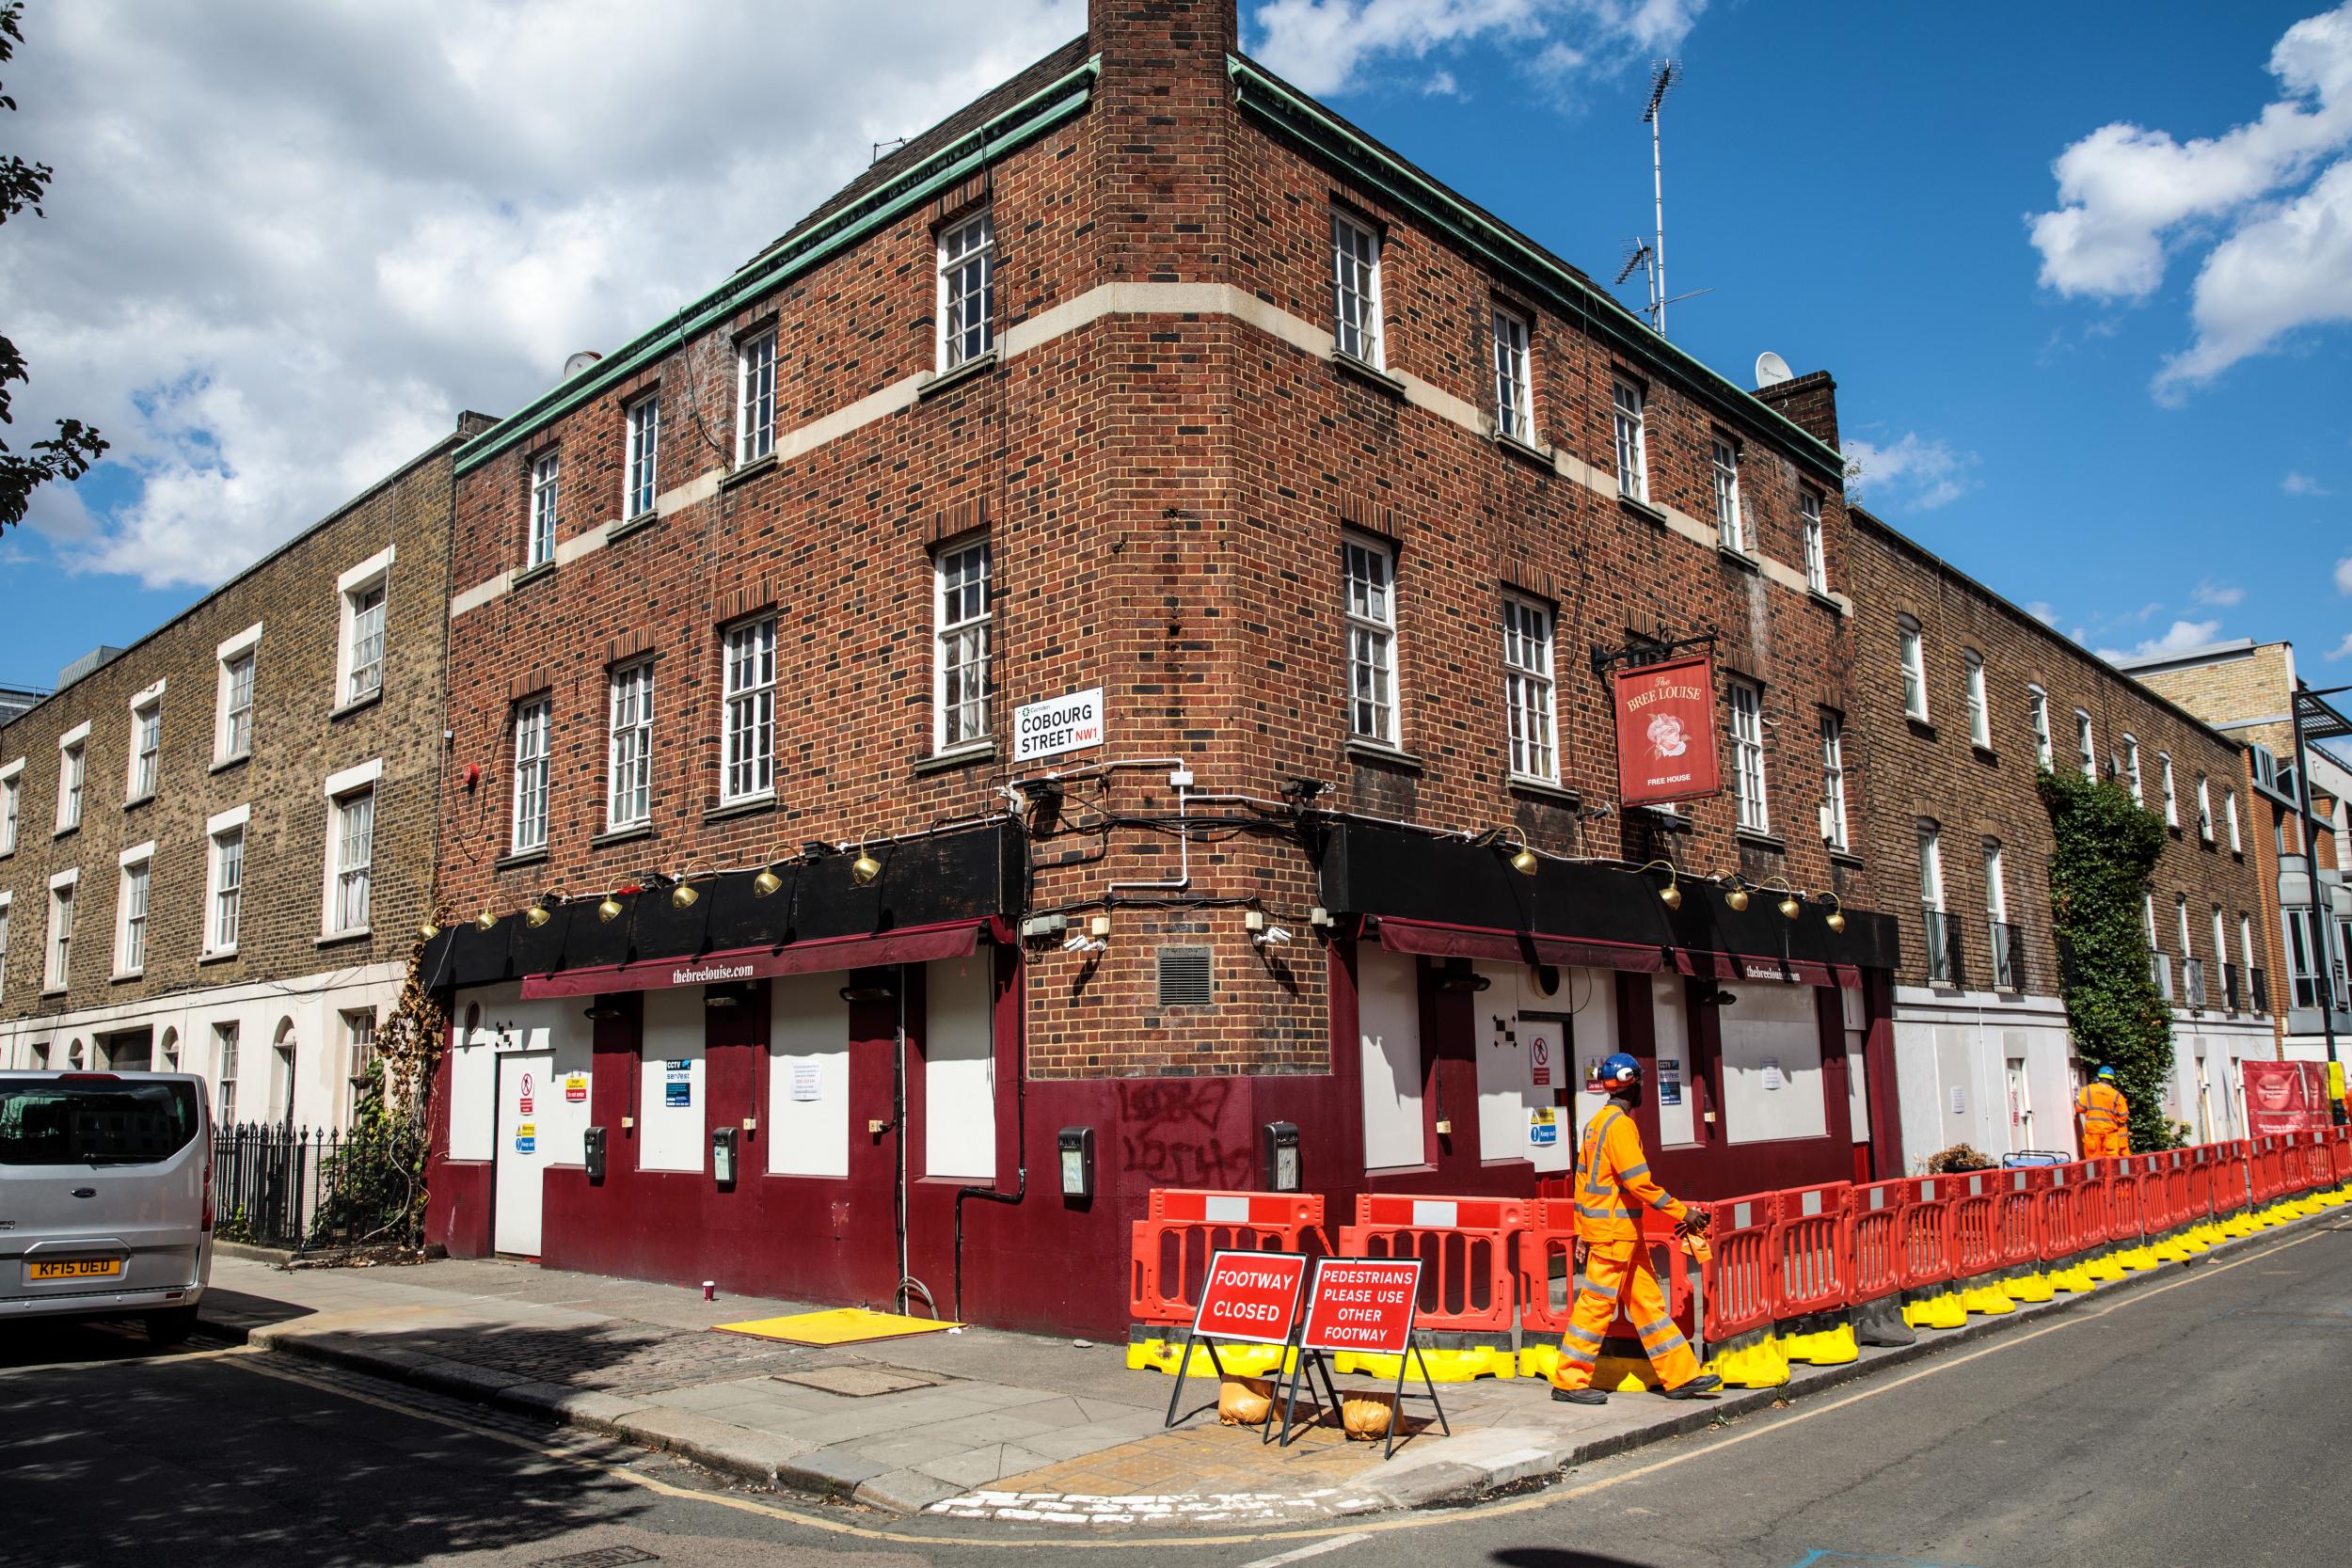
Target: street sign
1361, 1305
1058, 724
1250, 1297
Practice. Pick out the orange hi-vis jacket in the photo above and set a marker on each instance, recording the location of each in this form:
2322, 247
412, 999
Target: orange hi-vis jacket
1613, 1180
2106, 1119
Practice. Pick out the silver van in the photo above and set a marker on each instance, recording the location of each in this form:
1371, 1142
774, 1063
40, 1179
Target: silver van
105, 1197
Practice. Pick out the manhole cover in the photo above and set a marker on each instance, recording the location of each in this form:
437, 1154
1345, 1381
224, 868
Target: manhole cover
603, 1557
859, 1383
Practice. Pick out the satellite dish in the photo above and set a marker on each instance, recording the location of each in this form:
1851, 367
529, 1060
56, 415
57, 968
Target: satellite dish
579, 362
1772, 369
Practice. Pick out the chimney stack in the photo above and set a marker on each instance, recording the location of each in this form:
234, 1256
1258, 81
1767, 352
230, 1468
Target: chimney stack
1808, 401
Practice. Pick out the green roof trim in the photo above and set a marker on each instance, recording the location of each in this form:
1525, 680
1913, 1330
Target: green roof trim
1035, 114
1528, 264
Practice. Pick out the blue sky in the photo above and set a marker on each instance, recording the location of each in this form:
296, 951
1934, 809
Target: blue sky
2135, 418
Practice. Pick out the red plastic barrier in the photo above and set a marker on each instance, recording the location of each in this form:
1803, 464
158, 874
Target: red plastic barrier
2062, 1200
2094, 1209
2017, 1220
2123, 1179
2155, 1195
1464, 1245
1928, 1256
2201, 1160
1976, 1224
1743, 1276
2177, 1209
1547, 1250
1877, 1235
2264, 1165
2230, 1181
1186, 1227
2342, 1171
1816, 1249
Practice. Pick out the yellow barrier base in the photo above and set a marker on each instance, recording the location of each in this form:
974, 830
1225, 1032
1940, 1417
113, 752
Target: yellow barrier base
1762, 1365
2030, 1287
1944, 1311
2238, 1226
1990, 1300
2103, 1269
1443, 1366
2169, 1250
2336, 1198
1161, 1355
2074, 1281
1828, 1347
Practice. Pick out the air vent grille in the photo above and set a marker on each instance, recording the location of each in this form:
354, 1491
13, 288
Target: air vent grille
1185, 977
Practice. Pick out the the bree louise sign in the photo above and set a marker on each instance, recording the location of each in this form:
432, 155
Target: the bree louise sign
1058, 724
1666, 732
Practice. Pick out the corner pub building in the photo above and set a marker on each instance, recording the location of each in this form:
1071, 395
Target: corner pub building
1319, 513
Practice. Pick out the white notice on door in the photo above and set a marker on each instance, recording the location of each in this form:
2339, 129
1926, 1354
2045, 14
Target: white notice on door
1058, 724
809, 1082
1772, 1076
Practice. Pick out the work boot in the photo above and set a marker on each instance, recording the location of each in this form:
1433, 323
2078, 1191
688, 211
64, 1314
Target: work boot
1579, 1396
1706, 1382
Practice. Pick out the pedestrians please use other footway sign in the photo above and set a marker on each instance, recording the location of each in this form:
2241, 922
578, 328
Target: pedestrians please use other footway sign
1362, 1305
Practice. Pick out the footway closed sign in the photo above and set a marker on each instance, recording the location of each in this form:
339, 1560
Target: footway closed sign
1363, 1305
1250, 1297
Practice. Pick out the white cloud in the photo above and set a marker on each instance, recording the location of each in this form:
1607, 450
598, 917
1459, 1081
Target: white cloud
2303, 485
288, 243
2223, 595
1326, 45
2179, 638
1441, 85
2291, 268
1924, 474
2344, 574
2124, 190
2344, 649
2043, 611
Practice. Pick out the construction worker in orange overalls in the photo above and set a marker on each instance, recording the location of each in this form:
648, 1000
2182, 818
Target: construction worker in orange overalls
1613, 1185
2106, 1117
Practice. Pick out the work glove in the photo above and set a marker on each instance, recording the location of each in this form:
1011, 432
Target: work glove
1694, 1222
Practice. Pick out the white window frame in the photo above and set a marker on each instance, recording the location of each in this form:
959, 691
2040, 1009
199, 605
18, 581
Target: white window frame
966, 267
1816, 551
530, 745
2038, 717
11, 805
755, 397
747, 751
6, 899
232, 724
2131, 767
2172, 795
1833, 781
1996, 882
56, 964
1630, 407
2229, 817
72, 777
2246, 959
226, 1033
629, 746
2204, 808
135, 893
546, 494
2086, 744
145, 771
1368, 599
1529, 693
348, 887
963, 684
359, 678
1979, 711
1355, 308
1752, 804
1731, 528
1913, 643
1514, 368
223, 901
641, 477
360, 1026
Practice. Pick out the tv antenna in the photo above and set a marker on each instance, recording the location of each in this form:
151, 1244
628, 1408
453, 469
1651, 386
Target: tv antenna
1664, 77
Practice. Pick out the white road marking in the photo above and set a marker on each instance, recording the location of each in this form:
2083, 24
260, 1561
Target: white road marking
1302, 1553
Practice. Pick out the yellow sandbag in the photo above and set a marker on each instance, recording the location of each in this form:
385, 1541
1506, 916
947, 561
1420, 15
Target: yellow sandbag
1244, 1401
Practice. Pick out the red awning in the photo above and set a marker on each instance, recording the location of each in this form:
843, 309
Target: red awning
1433, 940
1751, 966
920, 944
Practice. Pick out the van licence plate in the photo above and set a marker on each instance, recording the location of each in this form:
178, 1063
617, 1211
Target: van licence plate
75, 1268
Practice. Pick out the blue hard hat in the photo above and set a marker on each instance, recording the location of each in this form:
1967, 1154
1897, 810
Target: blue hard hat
1618, 1071
2107, 1072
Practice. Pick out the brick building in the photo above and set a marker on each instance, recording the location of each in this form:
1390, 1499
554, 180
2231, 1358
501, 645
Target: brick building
2248, 691
1960, 699
1107, 628
216, 844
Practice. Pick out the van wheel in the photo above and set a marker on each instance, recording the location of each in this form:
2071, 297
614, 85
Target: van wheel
172, 1326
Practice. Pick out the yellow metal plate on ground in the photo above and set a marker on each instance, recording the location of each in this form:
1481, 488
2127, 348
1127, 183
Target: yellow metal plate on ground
845, 1325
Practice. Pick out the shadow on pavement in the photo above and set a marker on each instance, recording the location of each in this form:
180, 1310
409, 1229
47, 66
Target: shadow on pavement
1559, 1556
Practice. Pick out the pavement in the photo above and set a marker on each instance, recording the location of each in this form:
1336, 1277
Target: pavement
975, 1425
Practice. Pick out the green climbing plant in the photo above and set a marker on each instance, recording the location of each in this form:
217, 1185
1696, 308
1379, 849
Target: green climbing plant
2100, 873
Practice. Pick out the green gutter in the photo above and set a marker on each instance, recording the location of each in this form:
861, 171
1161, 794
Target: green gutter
885, 204
1341, 144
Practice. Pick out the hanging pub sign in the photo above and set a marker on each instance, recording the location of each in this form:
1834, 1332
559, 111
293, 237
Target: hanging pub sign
1666, 732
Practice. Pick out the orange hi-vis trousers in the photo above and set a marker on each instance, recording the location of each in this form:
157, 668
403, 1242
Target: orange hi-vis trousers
1612, 1268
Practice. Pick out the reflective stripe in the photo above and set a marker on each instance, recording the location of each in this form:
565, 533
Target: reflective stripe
1572, 1332
1661, 1203
1645, 1330
1665, 1347
1631, 1171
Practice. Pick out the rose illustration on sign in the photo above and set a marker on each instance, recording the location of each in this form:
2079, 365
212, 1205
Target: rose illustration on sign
1666, 738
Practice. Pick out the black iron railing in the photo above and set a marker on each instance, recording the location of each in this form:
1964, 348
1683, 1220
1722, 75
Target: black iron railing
1944, 965
271, 1181
2009, 955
